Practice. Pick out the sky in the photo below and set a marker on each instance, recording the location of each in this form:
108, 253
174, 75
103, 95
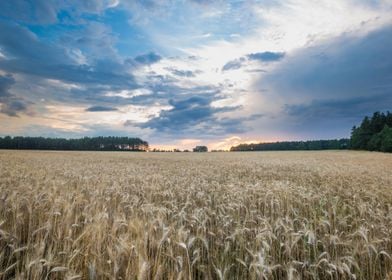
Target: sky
181, 73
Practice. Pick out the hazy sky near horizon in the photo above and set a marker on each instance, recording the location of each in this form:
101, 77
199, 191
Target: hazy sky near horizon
180, 73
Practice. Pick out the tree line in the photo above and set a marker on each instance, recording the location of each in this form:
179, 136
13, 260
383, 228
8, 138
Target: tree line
374, 133
335, 144
109, 143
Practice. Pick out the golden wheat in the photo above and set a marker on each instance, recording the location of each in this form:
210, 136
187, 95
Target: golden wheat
270, 215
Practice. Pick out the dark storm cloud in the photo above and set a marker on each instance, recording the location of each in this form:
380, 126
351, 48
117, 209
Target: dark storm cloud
40, 61
26, 54
99, 108
5, 84
10, 104
334, 84
355, 107
13, 107
346, 67
193, 114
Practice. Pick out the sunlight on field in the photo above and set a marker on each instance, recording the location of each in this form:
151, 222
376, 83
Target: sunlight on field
268, 215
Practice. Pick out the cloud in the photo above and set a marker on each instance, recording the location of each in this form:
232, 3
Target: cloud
26, 54
193, 115
333, 84
95, 55
234, 64
10, 104
347, 66
38, 11
99, 108
5, 84
183, 73
148, 58
184, 113
13, 107
191, 112
352, 108
93, 41
163, 88
47, 12
204, 2
21, 43
266, 56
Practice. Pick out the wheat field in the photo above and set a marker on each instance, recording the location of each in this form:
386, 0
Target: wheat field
260, 215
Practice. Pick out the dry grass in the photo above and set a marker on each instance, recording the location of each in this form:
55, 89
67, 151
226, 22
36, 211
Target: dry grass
271, 215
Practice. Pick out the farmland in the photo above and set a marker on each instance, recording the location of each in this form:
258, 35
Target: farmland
260, 215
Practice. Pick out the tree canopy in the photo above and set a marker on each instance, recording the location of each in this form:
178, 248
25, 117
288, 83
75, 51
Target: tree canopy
335, 144
374, 133
200, 149
87, 143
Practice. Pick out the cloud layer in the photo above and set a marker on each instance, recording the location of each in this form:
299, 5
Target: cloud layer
339, 84
193, 71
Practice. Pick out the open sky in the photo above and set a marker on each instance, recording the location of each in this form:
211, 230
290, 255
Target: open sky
180, 73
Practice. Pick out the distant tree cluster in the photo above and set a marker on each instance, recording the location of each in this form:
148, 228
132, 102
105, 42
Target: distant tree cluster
335, 144
199, 149
374, 134
87, 143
